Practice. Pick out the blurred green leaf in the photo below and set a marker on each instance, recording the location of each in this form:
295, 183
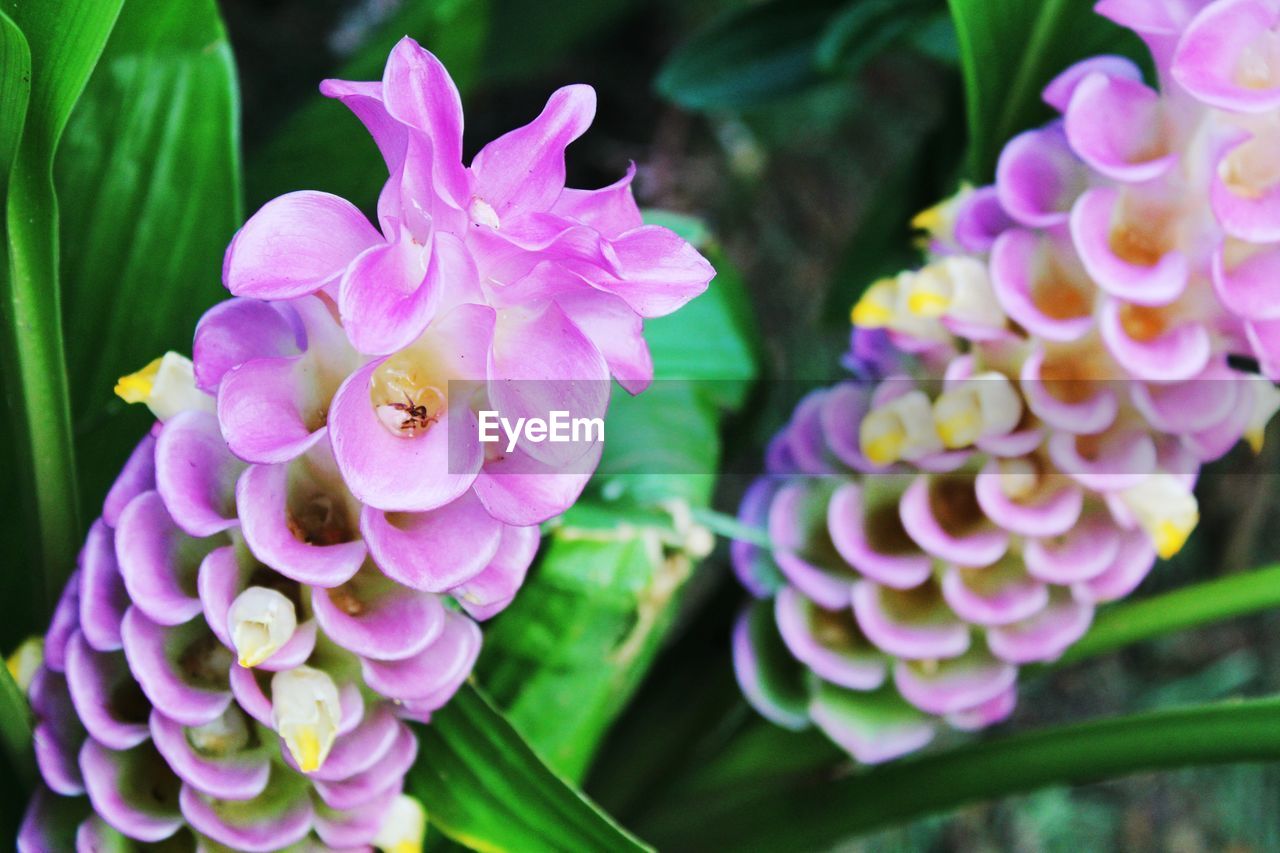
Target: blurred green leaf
487, 789
1009, 50
65, 39
323, 147
864, 28
818, 812
150, 176
749, 55
759, 52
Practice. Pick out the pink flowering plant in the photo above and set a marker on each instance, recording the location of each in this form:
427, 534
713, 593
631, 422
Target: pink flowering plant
347, 587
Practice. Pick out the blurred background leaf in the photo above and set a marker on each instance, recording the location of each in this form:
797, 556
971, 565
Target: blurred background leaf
40, 524
759, 52
151, 161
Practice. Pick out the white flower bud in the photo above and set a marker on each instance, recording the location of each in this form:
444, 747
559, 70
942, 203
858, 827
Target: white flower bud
1164, 506
167, 385
306, 711
403, 828
899, 429
261, 620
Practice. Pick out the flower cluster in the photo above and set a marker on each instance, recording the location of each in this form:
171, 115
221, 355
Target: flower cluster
1086, 334
292, 563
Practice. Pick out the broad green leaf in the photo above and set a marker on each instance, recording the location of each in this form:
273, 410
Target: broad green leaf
748, 55
566, 656
65, 39
1009, 50
817, 812
323, 147
486, 788
149, 174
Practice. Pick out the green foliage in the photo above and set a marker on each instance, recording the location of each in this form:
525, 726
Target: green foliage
1009, 50
485, 788
150, 166
759, 52
65, 40
817, 811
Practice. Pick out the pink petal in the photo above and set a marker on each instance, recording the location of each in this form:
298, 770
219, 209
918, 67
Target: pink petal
296, 244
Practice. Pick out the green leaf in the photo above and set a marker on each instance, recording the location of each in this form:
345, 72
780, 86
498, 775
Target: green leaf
65, 40
486, 788
748, 56
323, 147
566, 656
1181, 609
1009, 50
819, 812
17, 765
150, 176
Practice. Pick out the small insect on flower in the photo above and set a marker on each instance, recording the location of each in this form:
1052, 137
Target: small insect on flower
416, 414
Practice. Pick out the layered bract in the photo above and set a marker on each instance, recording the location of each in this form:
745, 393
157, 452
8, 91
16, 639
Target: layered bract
1036, 401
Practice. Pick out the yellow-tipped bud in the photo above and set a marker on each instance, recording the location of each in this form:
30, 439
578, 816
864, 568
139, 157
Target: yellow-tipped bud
167, 386
1166, 509
25, 660
899, 429
260, 621
403, 828
877, 307
979, 407
928, 293
306, 710
1266, 400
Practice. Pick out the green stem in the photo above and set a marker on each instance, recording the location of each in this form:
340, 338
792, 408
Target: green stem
819, 811
730, 527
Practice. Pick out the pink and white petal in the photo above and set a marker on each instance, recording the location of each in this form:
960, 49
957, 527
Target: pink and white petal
611, 210
239, 330
517, 489
391, 624
1059, 90
419, 92
524, 169
133, 791
388, 295
433, 550
397, 472
137, 476
655, 271
263, 496
296, 244
445, 662
493, 589
1217, 57
542, 363
196, 473
158, 561
261, 407
103, 598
